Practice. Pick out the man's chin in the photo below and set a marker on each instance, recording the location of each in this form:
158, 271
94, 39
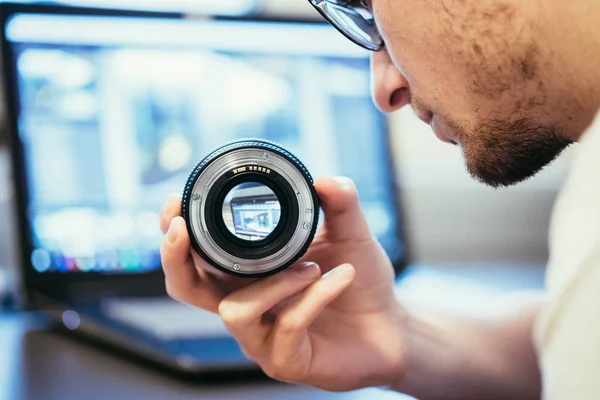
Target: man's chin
507, 157
498, 178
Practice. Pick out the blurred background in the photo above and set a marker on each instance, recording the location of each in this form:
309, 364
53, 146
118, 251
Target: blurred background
154, 115
450, 218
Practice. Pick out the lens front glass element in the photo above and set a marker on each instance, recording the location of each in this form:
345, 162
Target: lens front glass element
251, 211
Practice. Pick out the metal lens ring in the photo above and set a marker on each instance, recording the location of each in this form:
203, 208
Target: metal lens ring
251, 208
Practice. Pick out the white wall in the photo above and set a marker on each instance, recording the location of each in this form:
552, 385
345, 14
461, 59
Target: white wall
289, 7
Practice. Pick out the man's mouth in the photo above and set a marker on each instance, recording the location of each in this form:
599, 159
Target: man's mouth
425, 116
439, 126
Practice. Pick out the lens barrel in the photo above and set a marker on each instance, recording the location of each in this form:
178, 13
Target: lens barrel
251, 208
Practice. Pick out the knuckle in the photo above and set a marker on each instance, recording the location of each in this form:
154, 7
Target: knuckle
282, 368
289, 323
163, 211
164, 225
165, 252
275, 373
231, 313
174, 199
164, 217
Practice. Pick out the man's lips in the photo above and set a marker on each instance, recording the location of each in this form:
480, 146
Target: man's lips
439, 127
425, 116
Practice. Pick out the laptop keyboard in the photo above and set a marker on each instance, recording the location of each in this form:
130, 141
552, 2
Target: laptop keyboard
165, 319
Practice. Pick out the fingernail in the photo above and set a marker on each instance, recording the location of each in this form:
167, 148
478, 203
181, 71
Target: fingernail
341, 270
172, 232
306, 270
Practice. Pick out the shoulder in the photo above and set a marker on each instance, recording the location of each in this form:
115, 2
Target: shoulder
575, 227
568, 328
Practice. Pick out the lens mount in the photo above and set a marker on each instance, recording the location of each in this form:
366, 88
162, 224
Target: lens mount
283, 212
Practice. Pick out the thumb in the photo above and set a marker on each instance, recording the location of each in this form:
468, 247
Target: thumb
344, 219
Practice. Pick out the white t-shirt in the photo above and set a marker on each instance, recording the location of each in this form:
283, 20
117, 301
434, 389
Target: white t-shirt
568, 330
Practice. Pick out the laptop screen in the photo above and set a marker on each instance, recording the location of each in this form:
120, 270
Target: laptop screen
114, 113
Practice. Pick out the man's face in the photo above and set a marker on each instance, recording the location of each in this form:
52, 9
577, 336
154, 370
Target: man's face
478, 73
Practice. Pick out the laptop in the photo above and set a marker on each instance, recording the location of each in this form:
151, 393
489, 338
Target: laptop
109, 110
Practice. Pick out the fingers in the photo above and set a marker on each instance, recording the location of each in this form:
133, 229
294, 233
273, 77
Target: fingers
183, 281
289, 334
243, 310
171, 210
344, 219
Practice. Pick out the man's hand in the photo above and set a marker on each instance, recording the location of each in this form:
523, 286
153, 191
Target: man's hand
331, 321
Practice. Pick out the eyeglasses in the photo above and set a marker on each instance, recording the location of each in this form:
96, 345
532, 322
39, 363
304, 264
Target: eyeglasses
353, 19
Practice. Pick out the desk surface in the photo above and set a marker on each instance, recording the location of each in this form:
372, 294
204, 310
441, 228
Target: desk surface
40, 365
36, 364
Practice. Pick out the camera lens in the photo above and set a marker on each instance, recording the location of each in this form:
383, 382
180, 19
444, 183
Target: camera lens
251, 208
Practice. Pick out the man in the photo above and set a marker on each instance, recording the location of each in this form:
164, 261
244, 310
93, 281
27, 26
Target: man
512, 82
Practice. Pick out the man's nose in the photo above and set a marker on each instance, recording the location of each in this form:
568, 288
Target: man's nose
390, 88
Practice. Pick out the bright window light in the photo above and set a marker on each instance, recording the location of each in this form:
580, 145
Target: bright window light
219, 7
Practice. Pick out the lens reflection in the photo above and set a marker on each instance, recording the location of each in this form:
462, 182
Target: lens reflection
356, 22
251, 211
